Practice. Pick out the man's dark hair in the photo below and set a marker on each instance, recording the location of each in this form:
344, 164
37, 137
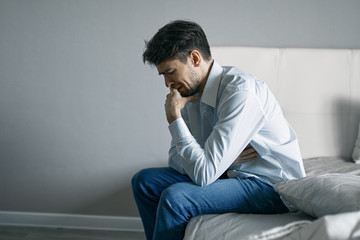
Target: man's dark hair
175, 41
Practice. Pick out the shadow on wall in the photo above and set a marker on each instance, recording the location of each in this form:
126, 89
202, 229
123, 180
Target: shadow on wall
346, 123
119, 203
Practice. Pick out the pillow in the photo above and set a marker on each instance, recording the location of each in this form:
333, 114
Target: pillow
356, 153
321, 195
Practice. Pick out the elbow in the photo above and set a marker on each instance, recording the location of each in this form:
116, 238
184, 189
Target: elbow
204, 179
201, 183
204, 172
206, 183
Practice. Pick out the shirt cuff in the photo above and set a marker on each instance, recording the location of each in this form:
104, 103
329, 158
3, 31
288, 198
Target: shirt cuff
178, 130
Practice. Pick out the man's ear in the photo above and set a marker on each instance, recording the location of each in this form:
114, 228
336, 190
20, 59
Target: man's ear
195, 58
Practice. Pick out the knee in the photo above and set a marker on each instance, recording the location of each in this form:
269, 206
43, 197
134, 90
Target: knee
144, 181
176, 198
139, 179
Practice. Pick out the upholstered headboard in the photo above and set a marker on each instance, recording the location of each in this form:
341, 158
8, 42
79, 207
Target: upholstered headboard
318, 90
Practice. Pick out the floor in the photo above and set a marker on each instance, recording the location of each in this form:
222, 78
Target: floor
37, 233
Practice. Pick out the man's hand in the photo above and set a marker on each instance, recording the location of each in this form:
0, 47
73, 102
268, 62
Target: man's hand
249, 154
175, 103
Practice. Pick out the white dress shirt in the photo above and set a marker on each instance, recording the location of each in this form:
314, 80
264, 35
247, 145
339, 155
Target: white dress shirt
235, 109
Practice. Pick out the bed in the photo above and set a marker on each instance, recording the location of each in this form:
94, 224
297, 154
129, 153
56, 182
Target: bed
319, 91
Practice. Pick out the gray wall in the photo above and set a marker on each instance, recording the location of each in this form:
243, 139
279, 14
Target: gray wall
80, 113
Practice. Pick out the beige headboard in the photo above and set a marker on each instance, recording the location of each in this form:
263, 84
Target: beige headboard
318, 90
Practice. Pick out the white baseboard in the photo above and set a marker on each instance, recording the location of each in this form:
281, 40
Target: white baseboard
72, 221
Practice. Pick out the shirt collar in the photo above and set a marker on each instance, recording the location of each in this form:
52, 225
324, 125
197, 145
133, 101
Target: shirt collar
209, 94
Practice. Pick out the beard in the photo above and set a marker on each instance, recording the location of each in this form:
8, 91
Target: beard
192, 91
195, 89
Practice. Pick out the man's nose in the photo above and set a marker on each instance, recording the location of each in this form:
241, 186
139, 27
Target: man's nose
168, 82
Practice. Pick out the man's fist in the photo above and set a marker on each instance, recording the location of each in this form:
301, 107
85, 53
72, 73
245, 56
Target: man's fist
175, 103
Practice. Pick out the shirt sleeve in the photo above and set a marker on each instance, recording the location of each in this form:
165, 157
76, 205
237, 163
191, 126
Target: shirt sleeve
175, 159
240, 117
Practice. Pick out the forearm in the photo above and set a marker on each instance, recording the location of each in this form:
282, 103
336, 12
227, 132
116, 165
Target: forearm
237, 125
202, 165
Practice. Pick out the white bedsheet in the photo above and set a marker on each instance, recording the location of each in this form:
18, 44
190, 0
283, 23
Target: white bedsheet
289, 226
331, 227
322, 165
232, 226
294, 226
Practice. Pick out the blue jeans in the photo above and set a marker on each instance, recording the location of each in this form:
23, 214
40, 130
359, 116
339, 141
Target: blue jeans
167, 200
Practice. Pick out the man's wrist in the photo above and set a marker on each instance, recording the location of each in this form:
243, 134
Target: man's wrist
173, 117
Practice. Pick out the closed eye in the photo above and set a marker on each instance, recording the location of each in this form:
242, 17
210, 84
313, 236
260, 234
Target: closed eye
168, 72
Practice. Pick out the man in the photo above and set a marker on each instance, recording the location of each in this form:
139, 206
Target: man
214, 113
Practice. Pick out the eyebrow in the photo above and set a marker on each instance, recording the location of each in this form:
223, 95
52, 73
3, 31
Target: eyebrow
166, 71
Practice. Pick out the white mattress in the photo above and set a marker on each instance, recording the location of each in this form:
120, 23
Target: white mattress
244, 226
235, 226
322, 165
